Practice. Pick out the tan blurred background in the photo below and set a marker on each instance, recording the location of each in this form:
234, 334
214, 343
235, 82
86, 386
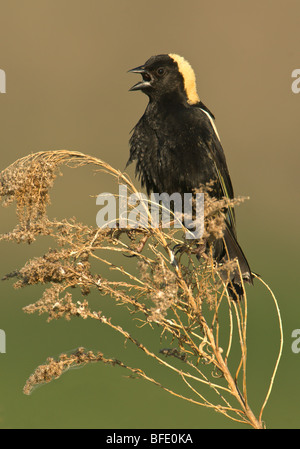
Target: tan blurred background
67, 87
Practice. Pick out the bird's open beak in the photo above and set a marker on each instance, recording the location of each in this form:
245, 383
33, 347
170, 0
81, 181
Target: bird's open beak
146, 78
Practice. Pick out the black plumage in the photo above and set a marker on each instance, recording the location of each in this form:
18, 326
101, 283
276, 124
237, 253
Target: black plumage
176, 147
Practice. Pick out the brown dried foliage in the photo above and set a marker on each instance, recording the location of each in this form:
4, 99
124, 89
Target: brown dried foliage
183, 298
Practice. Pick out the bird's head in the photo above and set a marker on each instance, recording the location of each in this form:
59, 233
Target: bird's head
164, 75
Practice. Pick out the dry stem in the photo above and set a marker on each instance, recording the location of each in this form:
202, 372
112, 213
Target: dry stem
184, 296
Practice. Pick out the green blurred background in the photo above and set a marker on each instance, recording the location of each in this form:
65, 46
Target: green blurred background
67, 87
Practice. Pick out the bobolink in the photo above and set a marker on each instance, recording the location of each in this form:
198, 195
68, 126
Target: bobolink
177, 148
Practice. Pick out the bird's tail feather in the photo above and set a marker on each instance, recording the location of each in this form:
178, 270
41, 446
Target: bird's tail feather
231, 251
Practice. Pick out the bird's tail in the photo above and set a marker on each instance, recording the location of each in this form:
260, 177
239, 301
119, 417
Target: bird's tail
231, 250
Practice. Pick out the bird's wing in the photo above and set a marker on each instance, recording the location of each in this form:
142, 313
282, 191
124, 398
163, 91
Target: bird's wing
218, 157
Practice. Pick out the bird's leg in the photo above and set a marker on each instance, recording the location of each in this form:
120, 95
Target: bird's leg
139, 248
200, 249
142, 244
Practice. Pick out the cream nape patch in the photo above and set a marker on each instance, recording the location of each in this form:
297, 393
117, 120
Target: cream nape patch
190, 88
189, 78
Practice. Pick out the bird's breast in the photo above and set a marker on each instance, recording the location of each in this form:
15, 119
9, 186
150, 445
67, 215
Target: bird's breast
170, 152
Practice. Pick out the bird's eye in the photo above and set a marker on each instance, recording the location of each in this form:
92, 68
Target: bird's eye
160, 71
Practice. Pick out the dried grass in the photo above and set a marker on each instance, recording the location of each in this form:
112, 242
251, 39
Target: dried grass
183, 296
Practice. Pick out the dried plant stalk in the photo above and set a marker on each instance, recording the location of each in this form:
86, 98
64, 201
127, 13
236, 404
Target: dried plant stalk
184, 295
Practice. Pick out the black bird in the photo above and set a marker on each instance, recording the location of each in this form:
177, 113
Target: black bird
177, 148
